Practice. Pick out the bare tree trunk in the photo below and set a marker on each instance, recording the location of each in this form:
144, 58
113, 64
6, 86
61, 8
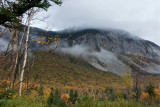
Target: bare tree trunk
15, 71
13, 41
94, 96
25, 55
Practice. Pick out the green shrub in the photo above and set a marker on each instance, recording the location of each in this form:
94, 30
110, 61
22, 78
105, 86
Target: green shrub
73, 96
150, 90
125, 96
55, 99
110, 93
62, 103
19, 102
137, 91
40, 90
8, 94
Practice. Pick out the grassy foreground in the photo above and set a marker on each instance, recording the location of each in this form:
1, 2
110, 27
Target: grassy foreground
26, 102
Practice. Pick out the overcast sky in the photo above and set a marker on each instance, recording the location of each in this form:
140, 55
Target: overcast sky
139, 17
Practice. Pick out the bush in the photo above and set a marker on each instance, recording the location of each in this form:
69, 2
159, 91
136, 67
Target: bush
5, 93
61, 103
55, 99
150, 90
40, 90
19, 102
137, 91
110, 93
73, 96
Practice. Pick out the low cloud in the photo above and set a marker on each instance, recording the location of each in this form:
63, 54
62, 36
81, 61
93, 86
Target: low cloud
102, 60
140, 17
85, 51
76, 50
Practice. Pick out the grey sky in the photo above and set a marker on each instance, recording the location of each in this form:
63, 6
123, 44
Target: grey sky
140, 17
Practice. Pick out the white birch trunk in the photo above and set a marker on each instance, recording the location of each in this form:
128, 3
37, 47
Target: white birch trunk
17, 58
94, 96
25, 56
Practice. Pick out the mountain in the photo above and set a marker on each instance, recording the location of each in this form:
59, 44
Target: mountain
116, 41
108, 50
117, 51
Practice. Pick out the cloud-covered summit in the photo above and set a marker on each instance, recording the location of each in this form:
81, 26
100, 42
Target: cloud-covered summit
140, 17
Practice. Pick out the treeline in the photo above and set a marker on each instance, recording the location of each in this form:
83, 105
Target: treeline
150, 96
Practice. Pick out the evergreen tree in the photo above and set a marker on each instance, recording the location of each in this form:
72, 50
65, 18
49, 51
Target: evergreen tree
76, 96
61, 103
40, 91
150, 90
55, 99
50, 99
71, 96
10, 11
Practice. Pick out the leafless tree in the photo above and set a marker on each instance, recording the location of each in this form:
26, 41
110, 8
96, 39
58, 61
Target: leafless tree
31, 14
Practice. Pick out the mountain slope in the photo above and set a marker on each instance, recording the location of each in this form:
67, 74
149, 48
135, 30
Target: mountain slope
116, 41
62, 70
115, 51
108, 50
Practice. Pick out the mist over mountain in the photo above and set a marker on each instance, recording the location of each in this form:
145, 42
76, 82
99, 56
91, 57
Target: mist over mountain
116, 41
113, 50
109, 50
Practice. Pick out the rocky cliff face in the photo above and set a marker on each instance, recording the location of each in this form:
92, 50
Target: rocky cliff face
109, 50
115, 51
116, 41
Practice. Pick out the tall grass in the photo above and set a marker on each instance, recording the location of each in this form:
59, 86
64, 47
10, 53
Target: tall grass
19, 102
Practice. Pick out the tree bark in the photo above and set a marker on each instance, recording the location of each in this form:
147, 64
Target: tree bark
25, 55
15, 71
